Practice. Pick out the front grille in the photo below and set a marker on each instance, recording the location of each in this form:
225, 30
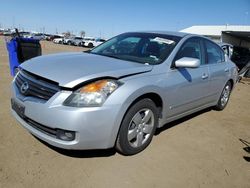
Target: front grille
31, 85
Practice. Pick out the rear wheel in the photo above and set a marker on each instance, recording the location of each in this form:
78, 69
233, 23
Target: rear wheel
90, 45
222, 103
137, 128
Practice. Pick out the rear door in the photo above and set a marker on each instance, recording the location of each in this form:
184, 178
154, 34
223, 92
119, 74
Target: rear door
219, 68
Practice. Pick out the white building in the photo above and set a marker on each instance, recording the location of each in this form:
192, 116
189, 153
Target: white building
237, 35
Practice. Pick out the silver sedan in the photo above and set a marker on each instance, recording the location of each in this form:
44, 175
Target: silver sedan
117, 94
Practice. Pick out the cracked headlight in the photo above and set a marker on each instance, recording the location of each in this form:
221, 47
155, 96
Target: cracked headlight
93, 94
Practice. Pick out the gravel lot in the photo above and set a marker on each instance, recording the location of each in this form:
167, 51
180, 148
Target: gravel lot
202, 150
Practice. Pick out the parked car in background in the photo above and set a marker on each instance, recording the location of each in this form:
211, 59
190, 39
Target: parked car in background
36, 36
71, 40
93, 42
77, 41
52, 37
24, 34
85, 39
7, 33
47, 37
227, 48
117, 94
240, 56
58, 40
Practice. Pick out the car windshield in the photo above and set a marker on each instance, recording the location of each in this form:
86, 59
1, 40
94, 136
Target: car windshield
144, 48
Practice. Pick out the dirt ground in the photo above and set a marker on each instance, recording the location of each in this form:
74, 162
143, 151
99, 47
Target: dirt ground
202, 150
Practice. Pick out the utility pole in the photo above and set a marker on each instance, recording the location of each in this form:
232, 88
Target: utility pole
13, 22
246, 17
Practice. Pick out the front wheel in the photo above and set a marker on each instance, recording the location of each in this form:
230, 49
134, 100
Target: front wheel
224, 97
137, 128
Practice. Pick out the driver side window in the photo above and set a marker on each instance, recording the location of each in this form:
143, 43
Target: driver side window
122, 47
191, 48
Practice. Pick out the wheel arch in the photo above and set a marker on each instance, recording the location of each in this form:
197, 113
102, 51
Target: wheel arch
231, 82
156, 98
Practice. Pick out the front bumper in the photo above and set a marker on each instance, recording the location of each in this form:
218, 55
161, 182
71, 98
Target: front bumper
94, 127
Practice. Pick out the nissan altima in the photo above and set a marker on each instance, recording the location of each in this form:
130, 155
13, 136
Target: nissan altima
119, 93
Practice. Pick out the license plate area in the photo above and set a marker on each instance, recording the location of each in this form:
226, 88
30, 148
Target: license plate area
18, 108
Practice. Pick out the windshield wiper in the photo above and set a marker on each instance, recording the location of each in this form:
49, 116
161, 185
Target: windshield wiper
112, 56
107, 55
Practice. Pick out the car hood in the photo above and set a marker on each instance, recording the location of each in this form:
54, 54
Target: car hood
71, 69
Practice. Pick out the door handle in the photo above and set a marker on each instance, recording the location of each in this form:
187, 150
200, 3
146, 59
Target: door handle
226, 69
204, 76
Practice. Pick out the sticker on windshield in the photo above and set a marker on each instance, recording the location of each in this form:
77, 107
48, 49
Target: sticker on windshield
162, 40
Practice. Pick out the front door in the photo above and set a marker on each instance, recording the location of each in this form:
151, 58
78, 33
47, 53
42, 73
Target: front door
188, 88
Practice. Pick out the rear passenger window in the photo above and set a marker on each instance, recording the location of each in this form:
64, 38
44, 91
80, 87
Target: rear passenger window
191, 48
214, 53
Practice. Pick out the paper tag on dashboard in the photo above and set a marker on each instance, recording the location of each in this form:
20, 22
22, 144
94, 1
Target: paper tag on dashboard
162, 40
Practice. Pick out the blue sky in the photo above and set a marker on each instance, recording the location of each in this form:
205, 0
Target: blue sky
110, 17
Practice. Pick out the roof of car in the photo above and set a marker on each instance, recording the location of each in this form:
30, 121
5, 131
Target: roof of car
224, 44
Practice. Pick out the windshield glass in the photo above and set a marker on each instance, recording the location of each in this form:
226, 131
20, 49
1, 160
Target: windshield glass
148, 48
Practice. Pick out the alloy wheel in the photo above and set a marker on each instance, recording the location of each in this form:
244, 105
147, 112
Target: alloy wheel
140, 127
225, 95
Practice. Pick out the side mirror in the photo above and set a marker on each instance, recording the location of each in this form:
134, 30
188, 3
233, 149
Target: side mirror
188, 62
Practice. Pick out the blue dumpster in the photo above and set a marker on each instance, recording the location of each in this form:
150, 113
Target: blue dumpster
21, 49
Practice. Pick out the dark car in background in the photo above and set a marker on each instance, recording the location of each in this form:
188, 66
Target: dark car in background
241, 57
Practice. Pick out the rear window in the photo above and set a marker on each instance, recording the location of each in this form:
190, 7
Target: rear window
214, 53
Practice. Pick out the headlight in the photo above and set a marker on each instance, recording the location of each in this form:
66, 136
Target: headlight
93, 94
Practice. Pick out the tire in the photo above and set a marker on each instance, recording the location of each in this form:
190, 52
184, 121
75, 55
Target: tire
60, 42
90, 45
137, 128
224, 97
69, 43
